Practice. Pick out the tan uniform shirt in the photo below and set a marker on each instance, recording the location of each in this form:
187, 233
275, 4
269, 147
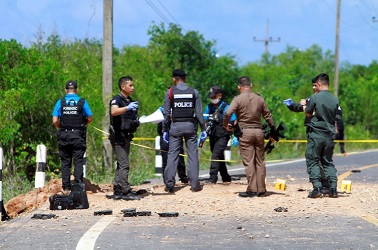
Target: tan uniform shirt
249, 107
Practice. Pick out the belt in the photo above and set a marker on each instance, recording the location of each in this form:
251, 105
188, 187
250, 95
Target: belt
70, 130
251, 127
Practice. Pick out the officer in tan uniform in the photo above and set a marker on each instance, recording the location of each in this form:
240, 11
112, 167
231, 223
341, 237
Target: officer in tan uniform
249, 107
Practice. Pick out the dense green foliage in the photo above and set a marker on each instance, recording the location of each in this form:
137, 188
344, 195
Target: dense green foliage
32, 80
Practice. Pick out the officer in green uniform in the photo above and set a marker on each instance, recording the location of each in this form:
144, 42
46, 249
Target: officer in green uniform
322, 108
298, 107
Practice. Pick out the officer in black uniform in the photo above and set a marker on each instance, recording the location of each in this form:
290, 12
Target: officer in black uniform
182, 111
71, 117
123, 123
218, 135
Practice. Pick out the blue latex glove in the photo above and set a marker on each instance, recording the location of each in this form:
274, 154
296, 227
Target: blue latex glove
288, 102
198, 142
132, 106
203, 136
166, 136
235, 142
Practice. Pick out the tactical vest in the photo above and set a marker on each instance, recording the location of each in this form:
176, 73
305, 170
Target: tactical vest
72, 115
219, 130
183, 105
128, 121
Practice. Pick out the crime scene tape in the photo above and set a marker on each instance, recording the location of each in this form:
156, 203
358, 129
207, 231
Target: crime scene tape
151, 148
282, 141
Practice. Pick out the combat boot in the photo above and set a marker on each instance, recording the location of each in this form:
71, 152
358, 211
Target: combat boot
117, 194
130, 196
333, 193
315, 193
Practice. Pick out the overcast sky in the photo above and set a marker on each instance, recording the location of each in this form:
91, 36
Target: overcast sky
233, 24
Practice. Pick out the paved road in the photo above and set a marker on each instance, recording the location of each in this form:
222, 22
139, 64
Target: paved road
281, 231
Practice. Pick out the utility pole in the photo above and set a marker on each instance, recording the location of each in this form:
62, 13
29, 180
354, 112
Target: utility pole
337, 45
107, 79
267, 39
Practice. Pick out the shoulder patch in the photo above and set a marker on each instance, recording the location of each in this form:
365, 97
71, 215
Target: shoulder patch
113, 101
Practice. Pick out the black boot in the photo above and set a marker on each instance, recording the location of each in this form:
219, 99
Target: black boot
333, 193
315, 193
130, 196
117, 195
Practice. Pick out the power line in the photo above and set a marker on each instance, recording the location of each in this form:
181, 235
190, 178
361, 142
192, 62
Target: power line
156, 9
169, 13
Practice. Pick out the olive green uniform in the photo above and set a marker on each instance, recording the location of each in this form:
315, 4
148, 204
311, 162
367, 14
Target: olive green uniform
321, 132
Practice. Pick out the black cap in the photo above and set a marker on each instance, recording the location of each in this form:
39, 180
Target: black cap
71, 84
214, 90
178, 72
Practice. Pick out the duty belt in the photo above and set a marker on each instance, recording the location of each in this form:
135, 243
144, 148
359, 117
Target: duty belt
251, 127
70, 130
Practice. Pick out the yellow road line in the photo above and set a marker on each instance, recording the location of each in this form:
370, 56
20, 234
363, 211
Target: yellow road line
346, 174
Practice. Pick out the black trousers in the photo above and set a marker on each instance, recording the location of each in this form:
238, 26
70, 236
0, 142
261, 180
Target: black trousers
218, 146
72, 148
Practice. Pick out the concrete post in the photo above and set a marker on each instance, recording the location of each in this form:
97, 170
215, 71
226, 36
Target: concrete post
40, 174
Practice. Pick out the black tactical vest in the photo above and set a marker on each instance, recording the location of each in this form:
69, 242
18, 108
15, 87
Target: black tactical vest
127, 122
219, 130
72, 114
183, 104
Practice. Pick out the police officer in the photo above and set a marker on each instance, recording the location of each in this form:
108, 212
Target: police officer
71, 116
298, 107
249, 108
218, 135
123, 123
182, 111
322, 108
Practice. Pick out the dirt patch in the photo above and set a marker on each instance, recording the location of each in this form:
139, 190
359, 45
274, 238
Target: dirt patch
216, 200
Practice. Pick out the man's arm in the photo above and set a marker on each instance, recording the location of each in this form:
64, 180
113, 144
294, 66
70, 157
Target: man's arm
55, 121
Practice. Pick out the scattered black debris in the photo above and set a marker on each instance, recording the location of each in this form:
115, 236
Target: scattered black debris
301, 189
44, 216
168, 214
128, 210
143, 213
129, 214
103, 212
281, 209
239, 227
141, 191
356, 171
146, 182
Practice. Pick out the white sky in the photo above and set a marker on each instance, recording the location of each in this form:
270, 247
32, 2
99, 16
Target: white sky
232, 23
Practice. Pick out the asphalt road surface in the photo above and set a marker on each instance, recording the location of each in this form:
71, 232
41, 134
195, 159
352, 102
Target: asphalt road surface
204, 231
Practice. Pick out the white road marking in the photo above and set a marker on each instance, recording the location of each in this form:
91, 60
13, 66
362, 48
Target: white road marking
89, 238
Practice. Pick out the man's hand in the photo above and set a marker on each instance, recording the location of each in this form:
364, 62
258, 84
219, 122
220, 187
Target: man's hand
288, 102
274, 134
166, 136
132, 106
229, 127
